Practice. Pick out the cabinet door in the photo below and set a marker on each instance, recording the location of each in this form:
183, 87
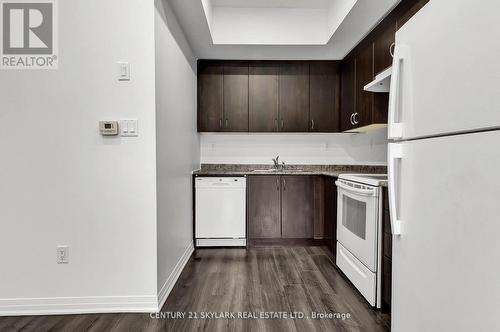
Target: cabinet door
330, 219
348, 95
294, 96
324, 96
263, 207
297, 206
364, 75
263, 96
236, 96
382, 47
319, 207
210, 95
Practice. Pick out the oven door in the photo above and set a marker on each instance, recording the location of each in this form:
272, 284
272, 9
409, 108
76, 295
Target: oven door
357, 214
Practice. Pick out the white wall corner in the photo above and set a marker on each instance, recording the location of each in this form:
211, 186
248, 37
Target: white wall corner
169, 284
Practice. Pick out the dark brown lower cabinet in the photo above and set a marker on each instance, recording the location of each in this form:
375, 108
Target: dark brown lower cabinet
264, 206
281, 207
297, 207
319, 207
386, 254
330, 213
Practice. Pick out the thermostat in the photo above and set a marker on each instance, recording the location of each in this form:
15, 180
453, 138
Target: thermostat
108, 128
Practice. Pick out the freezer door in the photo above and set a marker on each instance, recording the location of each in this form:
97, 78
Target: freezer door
446, 271
446, 70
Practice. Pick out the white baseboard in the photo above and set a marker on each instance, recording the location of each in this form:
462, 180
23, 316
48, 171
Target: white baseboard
77, 305
172, 278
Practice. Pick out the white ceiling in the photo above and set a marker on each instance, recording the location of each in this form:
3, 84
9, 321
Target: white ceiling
271, 3
274, 22
277, 29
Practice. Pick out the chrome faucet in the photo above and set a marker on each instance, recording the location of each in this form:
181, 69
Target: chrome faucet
277, 164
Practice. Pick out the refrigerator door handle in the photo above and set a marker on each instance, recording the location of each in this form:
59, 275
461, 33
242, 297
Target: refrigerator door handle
395, 129
394, 153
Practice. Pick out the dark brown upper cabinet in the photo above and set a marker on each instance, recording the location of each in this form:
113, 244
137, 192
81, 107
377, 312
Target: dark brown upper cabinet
210, 99
263, 96
372, 55
364, 75
268, 96
324, 86
235, 96
301, 96
382, 46
294, 96
347, 99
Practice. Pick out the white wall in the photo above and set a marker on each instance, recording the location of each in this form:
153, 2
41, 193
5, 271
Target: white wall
177, 146
337, 149
62, 183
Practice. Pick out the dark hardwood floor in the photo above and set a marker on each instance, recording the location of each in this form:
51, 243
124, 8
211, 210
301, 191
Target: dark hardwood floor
264, 278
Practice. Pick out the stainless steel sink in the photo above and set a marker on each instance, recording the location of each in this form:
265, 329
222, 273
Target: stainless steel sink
269, 170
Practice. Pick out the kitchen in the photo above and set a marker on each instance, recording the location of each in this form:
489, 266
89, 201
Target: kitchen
258, 165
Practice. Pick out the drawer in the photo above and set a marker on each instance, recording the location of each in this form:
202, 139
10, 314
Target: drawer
361, 277
387, 245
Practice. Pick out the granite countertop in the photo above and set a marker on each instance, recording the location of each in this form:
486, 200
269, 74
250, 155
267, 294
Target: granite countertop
327, 170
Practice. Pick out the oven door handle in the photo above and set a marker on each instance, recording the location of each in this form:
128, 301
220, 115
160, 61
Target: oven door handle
362, 192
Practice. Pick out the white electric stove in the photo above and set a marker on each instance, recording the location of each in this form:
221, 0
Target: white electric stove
359, 224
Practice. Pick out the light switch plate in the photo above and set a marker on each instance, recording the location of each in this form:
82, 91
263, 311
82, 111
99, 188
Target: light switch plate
123, 71
129, 128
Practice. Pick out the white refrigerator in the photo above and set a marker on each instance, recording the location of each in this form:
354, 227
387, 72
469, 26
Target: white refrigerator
444, 168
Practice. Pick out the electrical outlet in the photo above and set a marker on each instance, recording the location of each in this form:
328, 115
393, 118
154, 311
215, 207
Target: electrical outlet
62, 254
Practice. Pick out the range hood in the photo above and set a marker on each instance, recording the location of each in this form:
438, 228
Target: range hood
381, 83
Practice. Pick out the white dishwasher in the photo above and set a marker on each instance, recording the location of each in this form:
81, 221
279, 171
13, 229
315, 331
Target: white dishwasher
220, 211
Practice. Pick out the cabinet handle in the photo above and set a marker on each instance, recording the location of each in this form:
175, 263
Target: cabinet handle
391, 49
276, 124
282, 123
352, 121
284, 184
226, 123
220, 123
354, 118
312, 123
277, 184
